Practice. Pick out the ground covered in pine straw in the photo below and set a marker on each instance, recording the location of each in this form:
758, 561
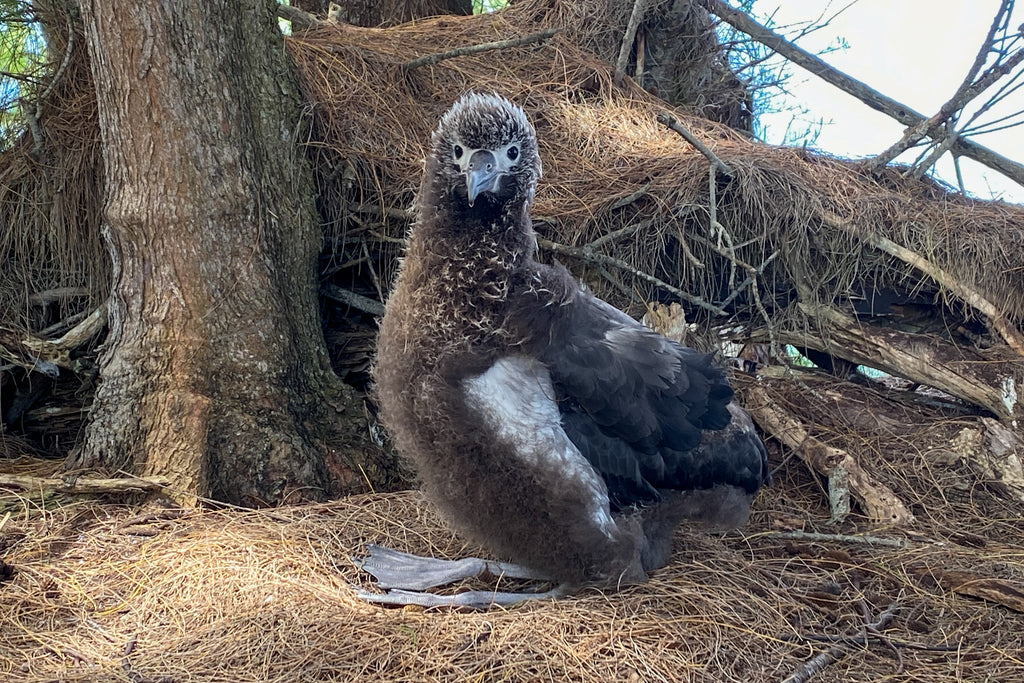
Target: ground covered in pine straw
102, 591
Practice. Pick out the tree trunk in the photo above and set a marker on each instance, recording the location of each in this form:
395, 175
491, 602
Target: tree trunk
214, 373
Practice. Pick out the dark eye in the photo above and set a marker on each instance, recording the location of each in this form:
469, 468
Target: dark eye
458, 152
513, 152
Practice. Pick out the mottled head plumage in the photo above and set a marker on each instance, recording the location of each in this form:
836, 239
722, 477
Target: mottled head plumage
485, 145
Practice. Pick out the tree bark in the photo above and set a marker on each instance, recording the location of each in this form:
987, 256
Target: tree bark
214, 373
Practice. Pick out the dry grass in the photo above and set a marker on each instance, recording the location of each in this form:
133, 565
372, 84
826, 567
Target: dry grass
601, 146
106, 592
51, 196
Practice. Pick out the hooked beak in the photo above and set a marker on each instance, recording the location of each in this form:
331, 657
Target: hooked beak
482, 174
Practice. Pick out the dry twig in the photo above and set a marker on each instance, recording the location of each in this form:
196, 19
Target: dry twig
590, 256
818, 663
672, 123
426, 60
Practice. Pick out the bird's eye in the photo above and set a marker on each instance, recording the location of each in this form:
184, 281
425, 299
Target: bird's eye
458, 152
513, 152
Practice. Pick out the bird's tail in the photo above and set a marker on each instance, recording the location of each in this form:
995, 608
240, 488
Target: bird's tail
720, 508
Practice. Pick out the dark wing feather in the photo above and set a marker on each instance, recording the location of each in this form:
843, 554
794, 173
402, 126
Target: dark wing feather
637, 404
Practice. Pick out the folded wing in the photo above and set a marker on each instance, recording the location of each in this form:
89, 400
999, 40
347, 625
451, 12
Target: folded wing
645, 411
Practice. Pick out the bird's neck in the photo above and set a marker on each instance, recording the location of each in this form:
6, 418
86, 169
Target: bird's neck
493, 239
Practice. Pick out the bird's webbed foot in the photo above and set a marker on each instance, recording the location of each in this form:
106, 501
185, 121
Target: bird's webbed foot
481, 600
406, 575
395, 569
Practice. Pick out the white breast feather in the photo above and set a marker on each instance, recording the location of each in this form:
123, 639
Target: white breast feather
516, 398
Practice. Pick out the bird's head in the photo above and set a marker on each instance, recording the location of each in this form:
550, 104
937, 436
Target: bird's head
486, 152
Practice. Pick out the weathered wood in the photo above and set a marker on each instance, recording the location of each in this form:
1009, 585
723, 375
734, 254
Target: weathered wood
1006, 329
357, 301
984, 378
996, 455
58, 351
84, 485
878, 501
1009, 594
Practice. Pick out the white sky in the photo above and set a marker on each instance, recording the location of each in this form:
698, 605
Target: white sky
914, 51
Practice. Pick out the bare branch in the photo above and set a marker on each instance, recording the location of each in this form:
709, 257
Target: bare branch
590, 256
964, 94
1010, 334
669, 121
299, 18
639, 7
813, 537
818, 663
879, 501
869, 96
58, 351
85, 485
482, 47
32, 119
357, 301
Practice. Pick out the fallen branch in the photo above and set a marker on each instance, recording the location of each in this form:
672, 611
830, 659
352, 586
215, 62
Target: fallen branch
58, 351
483, 47
836, 538
299, 18
358, 301
50, 296
1009, 594
985, 378
621, 232
47, 356
860, 90
84, 485
879, 502
947, 280
630, 198
992, 450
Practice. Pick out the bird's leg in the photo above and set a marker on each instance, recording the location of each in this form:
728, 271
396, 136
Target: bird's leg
406, 574
395, 569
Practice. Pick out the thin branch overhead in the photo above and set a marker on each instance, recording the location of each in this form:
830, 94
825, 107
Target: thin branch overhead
869, 96
941, 126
